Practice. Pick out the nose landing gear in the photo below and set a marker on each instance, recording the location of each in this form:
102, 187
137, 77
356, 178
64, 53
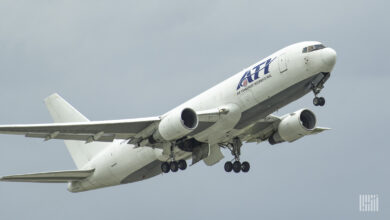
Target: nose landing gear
317, 87
319, 101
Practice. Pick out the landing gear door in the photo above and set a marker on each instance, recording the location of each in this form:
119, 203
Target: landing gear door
215, 155
200, 152
282, 62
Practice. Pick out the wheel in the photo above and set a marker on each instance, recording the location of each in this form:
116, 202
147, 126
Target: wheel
316, 101
174, 166
182, 164
165, 167
321, 101
228, 166
237, 166
245, 167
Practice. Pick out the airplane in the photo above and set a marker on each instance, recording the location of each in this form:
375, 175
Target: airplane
235, 111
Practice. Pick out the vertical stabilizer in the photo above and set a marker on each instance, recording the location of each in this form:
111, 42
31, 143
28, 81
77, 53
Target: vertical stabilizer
61, 111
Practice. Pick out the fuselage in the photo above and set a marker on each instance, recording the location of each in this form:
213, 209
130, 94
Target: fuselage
251, 95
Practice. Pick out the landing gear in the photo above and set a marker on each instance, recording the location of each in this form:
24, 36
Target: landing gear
173, 166
319, 101
165, 167
228, 166
236, 166
316, 88
182, 164
245, 166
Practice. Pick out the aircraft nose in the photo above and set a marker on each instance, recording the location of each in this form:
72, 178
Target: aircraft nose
329, 57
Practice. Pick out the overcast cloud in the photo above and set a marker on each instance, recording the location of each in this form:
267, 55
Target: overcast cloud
125, 59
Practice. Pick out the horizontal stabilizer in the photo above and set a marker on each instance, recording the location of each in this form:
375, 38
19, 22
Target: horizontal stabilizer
50, 177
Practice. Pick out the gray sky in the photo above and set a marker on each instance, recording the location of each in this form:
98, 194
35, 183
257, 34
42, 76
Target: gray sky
125, 59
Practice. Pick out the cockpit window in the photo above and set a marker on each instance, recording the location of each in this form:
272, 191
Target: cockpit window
313, 48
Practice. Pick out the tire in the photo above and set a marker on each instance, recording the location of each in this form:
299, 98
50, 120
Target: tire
237, 166
174, 166
245, 167
182, 164
321, 101
228, 166
165, 167
316, 101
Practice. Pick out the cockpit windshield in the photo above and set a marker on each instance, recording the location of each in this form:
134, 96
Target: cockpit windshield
313, 48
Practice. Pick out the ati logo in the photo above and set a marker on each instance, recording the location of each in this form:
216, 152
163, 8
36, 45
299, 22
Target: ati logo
253, 74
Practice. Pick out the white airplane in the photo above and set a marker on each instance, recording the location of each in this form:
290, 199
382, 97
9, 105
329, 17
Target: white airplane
237, 110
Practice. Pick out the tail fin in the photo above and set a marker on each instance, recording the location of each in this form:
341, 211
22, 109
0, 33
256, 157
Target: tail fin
61, 111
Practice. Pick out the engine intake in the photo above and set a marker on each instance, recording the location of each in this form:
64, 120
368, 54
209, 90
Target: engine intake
294, 126
189, 118
176, 125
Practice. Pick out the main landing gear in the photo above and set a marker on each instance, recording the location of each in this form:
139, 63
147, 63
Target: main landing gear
236, 166
173, 165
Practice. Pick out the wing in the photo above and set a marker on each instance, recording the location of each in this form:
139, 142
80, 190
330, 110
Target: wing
74, 126
50, 177
105, 131
261, 130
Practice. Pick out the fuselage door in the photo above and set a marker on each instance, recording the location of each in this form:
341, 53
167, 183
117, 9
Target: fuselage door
282, 63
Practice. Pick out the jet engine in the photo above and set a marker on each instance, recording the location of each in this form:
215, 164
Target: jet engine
294, 126
176, 124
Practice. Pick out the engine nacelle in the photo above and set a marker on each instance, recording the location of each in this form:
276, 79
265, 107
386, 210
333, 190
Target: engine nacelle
176, 124
294, 126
